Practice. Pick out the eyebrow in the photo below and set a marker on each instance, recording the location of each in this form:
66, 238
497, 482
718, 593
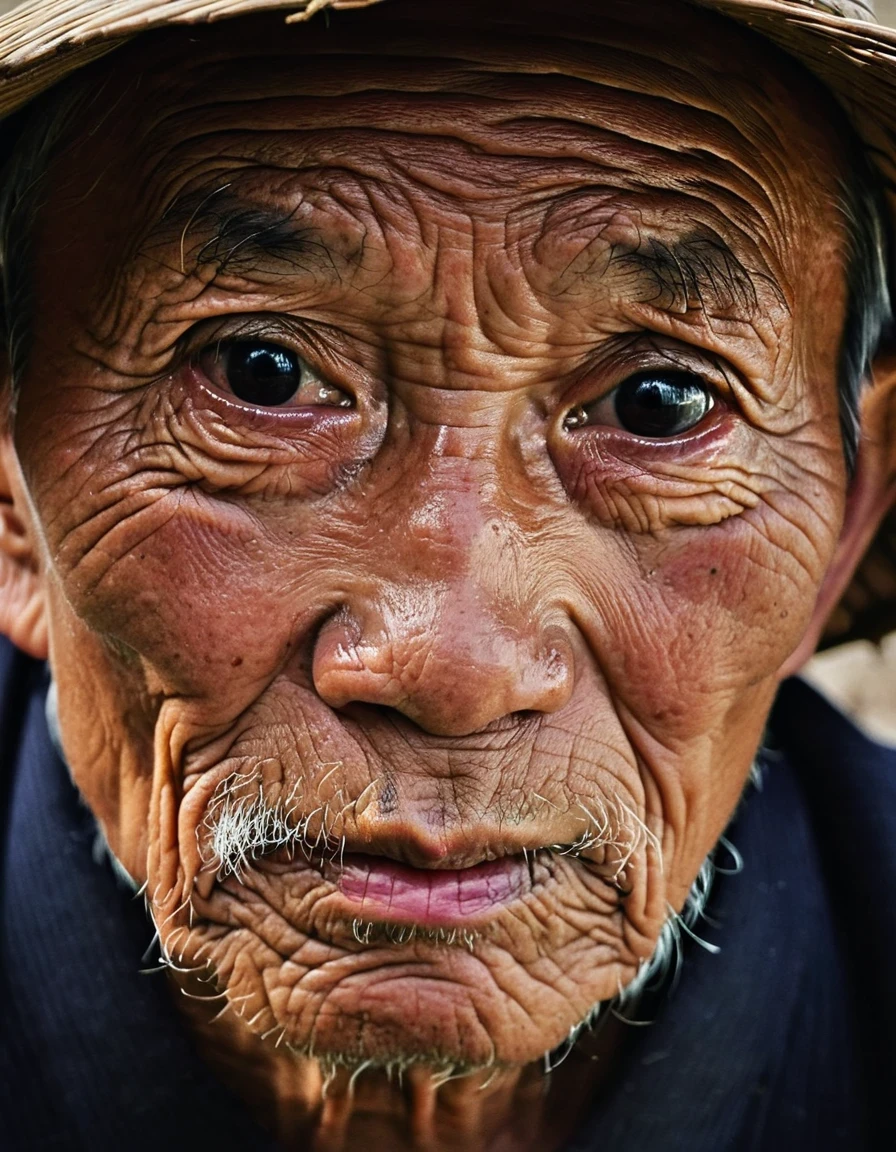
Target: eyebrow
221, 230
697, 271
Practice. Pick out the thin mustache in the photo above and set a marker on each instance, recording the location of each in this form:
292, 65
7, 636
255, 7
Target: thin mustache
241, 826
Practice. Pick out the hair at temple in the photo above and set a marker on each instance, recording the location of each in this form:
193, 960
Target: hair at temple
869, 304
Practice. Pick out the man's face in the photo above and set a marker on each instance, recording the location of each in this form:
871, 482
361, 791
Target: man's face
432, 440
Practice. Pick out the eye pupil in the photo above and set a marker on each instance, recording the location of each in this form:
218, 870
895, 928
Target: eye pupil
657, 404
263, 374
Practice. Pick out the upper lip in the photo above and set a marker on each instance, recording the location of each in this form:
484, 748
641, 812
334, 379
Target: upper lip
465, 850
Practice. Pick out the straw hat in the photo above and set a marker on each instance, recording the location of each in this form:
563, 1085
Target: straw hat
42, 41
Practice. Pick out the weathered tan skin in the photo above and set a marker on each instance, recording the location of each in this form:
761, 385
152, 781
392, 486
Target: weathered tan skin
443, 619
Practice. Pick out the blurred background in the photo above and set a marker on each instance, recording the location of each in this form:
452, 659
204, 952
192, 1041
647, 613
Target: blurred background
861, 677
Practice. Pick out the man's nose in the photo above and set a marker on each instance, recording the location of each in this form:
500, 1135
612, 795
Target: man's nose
447, 661
446, 618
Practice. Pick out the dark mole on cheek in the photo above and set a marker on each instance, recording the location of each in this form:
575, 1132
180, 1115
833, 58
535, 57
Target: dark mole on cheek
236, 661
713, 571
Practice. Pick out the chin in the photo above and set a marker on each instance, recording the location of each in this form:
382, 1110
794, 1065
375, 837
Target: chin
308, 960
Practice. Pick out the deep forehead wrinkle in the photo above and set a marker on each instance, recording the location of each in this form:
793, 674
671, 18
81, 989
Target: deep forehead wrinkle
219, 228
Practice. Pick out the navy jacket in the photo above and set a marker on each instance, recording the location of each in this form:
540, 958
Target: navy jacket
784, 1039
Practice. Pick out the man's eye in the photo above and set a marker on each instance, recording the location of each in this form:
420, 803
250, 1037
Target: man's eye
654, 404
268, 375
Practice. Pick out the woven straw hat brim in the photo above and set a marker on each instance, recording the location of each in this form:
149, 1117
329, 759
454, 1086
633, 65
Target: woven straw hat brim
42, 41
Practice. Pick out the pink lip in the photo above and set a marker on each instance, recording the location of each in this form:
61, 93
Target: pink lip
385, 890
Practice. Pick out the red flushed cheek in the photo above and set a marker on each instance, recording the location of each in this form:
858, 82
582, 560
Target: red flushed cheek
204, 600
711, 612
730, 572
213, 574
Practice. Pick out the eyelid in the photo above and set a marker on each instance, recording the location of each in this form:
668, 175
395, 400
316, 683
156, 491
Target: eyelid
602, 413
271, 330
619, 360
316, 345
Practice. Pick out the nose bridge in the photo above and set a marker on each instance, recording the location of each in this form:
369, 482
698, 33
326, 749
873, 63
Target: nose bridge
451, 632
444, 512
450, 510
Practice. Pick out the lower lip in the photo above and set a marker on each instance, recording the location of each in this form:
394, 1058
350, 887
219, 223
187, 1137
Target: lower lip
384, 890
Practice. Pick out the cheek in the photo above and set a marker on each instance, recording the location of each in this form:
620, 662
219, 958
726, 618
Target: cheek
184, 536
706, 614
690, 629
711, 548
690, 626
213, 600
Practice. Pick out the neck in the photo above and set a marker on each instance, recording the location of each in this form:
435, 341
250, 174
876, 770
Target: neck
306, 1104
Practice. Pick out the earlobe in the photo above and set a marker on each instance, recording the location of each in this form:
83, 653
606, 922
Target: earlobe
22, 603
872, 493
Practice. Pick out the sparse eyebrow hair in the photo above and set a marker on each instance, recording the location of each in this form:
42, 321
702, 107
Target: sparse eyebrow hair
218, 228
697, 271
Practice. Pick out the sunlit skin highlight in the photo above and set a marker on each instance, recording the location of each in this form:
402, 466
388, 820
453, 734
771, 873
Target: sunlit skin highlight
441, 608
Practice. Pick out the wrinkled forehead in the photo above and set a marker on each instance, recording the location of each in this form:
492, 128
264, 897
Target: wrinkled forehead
503, 109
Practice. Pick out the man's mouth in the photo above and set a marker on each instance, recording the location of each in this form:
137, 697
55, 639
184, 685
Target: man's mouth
396, 877
385, 890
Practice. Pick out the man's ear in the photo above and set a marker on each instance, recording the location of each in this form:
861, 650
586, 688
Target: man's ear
22, 604
872, 493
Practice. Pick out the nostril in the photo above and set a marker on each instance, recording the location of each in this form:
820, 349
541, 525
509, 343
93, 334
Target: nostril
368, 715
405, 724
477, 675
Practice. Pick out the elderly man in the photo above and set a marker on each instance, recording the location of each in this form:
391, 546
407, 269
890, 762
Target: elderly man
431, 433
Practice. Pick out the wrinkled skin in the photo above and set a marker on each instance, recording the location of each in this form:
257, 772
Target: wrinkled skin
419, 605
